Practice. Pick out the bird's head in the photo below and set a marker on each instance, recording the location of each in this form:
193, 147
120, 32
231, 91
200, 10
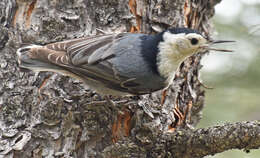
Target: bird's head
180, 43
187, 42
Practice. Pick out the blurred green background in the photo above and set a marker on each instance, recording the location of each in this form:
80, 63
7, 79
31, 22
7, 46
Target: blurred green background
234, 76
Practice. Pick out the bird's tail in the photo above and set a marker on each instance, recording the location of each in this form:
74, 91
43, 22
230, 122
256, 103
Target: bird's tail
41, 58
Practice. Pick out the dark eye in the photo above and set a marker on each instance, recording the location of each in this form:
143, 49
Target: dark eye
194, 41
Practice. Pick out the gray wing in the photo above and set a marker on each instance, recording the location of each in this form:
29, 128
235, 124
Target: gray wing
113, 60
91, 58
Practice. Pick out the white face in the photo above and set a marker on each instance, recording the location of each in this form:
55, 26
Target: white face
185, 44
176, 47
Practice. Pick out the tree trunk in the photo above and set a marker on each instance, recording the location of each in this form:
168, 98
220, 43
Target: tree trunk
49, 115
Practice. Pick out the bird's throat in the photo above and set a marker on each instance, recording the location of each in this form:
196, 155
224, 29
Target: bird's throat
168, 61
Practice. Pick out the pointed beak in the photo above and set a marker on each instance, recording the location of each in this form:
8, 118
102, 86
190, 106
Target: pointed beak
221, 41
213, 42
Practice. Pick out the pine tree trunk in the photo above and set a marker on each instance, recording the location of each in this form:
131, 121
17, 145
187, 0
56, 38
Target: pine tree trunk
49, 115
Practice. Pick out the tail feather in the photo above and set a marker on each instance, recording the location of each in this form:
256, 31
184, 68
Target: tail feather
40, 58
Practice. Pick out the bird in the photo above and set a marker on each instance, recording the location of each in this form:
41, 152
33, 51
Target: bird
119, 64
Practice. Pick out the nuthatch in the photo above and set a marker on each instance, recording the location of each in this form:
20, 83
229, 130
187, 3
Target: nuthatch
121, 63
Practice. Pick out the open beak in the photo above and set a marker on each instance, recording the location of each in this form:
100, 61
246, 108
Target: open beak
210, 43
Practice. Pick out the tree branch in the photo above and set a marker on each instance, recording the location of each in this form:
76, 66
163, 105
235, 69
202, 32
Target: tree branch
216, 139
191, 143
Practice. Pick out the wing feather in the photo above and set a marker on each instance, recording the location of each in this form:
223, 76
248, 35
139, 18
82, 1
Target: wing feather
92, 56
89, 58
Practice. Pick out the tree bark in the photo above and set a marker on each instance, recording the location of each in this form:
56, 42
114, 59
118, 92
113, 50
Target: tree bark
49, 115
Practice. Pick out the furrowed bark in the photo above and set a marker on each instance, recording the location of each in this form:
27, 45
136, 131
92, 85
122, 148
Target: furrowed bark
49, 115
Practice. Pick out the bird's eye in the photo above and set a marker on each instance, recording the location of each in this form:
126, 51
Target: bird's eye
194, 41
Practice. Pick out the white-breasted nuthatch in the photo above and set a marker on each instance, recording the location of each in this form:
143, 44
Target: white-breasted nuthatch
119, 64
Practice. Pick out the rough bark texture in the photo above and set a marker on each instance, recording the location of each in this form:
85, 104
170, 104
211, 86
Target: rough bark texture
60, 117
